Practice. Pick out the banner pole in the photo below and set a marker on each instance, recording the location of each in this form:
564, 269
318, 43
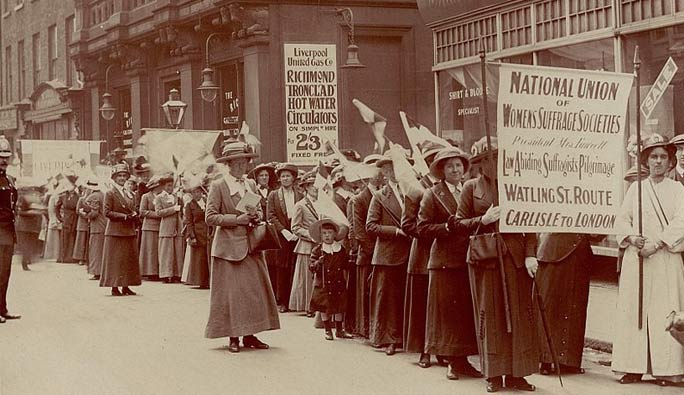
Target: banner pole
485, 114
637, 73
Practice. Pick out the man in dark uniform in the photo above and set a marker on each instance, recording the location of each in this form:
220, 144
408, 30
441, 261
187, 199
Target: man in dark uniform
8, 201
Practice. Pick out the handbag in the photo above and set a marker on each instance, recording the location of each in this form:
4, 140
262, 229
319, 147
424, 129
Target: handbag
262, 237
483, 247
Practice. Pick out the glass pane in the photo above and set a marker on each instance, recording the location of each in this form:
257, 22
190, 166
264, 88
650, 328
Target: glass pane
593, 55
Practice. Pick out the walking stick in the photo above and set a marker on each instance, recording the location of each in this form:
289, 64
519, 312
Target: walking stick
490, 158
545, 327
637, 72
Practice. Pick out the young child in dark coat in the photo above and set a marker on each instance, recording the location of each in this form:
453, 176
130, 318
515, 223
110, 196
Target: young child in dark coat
329, 263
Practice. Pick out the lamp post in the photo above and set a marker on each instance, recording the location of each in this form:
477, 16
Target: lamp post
352, 49
174, 108
209, 89
107, 110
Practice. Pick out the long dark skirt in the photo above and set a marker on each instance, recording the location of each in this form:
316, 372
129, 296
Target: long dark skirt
95, 250
29, 246
271, 257
120, 262
285, 268
67, 241
81, 246
363, 299
387, 304
415, 312
198, 266
149, 253
242, 301
450, 321
564, 288
503, 353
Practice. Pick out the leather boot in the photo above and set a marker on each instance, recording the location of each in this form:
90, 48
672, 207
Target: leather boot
340, 333
328, 330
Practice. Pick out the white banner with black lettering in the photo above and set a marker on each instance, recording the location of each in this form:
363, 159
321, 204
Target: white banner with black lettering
561, 146
311, 104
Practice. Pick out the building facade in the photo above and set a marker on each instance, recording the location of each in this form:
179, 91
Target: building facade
41, 96
138, 50
580, 34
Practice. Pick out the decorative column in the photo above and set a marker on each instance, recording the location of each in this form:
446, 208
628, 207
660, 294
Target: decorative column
141, 107
258, 85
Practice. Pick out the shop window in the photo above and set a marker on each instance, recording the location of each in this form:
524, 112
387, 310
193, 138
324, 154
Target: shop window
550, 20
9, 83
594, 55
516, 27
639, 10
463, 41
69, 28
586, 16
21, 68
655, 47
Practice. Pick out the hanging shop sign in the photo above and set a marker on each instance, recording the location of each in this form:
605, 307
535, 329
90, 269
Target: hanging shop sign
560, 165
311, 103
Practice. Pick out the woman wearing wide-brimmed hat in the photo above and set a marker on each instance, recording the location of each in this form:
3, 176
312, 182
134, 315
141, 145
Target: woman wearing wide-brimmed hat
450, 328
651, 350
305, 215
171, 244
242, 301
97, 223
196, 234
511, 354
54, 227
149, 239
265, 176
280, 209
120, 251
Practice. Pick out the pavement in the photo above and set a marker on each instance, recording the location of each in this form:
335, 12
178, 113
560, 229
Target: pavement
73, 338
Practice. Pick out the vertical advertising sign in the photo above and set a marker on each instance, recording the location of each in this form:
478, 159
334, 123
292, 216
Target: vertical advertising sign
561, 143
231, 100
311, 104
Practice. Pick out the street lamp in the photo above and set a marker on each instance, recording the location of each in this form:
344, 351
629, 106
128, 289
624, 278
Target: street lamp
174, 108
353, 61
107, 110
208, 89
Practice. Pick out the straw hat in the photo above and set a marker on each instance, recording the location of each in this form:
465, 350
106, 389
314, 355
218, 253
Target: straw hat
372, 159
286, 167
631, 174
165, 178
654, 141
234, 149
677, 139
120, 168
308, 178
430, 149
316, 227
437, 166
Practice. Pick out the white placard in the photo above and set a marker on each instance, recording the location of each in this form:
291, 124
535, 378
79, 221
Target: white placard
45, 158
311, 103
561, 143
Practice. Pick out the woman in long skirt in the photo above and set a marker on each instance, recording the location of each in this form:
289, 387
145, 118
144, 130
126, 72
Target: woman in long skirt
149, 240
450, 326
196, 235
305, 215
80, 253
510, 354
120, 252
98, 224
171, 243
242, 301
54, 228
650, 349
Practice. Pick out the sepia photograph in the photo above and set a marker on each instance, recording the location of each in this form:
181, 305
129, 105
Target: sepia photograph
341, 197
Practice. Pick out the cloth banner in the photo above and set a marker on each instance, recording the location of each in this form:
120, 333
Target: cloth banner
46, 158
560, 139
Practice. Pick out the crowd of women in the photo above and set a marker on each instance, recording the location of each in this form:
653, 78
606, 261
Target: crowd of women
405, 273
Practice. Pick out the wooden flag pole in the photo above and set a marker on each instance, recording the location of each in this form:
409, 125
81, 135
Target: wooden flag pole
637, 74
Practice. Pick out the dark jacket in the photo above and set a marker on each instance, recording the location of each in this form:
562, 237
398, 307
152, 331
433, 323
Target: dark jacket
29, 213
477, 196
8, 202
449, 248
276, 211
118, 210
66, 210
420, 246
96, 217
360, 204
555, 247
82, 221
383, 221
193, 223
